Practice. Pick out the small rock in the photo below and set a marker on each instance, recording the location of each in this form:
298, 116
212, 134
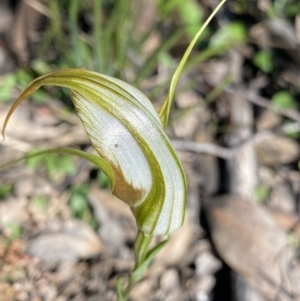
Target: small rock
276, 150
207, 264
13, 211
75, 240
188, 99
186, 125
203, 287
142, 290
268, 120
281, 198
169, 280
25, 187
266, 176
202, 296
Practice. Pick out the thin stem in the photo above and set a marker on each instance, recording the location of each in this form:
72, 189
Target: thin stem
141, 249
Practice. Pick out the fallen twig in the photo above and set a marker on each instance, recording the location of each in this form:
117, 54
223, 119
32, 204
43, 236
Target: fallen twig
206, 148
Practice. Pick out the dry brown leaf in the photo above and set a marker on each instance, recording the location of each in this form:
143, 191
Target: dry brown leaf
252, 243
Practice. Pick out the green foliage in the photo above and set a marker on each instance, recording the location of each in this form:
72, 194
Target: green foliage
40, 203
191, 13
5, 191
79, 205
284, 99
286, 7
78, 200
14, 231
231, 34
40, 67
18, 80
106, 48
103, 180
291, 129
140, 269
7, 86
143, 257
264, 61
56, 165
261, 193
294, 241
225, 38
164, 111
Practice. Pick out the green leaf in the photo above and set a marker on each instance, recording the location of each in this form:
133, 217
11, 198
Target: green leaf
14, 230
260, 193
231, 34
23, 77
264, 61
7, 85
284, 99
5, 191
40, 203
191, 13
40, 66
294, 241
79, 205
102, 180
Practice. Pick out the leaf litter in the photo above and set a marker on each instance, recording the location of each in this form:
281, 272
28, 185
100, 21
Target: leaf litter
46, 254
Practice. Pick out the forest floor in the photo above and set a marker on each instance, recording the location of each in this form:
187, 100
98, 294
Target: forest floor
235, 126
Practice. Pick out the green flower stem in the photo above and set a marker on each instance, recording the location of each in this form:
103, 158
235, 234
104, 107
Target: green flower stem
141, 251
143, 257
141, 247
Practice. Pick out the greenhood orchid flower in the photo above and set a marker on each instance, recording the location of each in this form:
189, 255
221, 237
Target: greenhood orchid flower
135, 153
128, 134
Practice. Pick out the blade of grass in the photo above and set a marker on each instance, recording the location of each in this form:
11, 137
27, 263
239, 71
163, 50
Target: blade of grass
165, 46
165, 109
75, 42
98, 35
57, 27
115, 34
121, 36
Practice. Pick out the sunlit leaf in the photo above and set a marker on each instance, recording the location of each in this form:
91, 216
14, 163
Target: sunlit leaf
284, 99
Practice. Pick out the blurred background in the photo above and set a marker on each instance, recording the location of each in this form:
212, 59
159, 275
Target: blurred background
235, 124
